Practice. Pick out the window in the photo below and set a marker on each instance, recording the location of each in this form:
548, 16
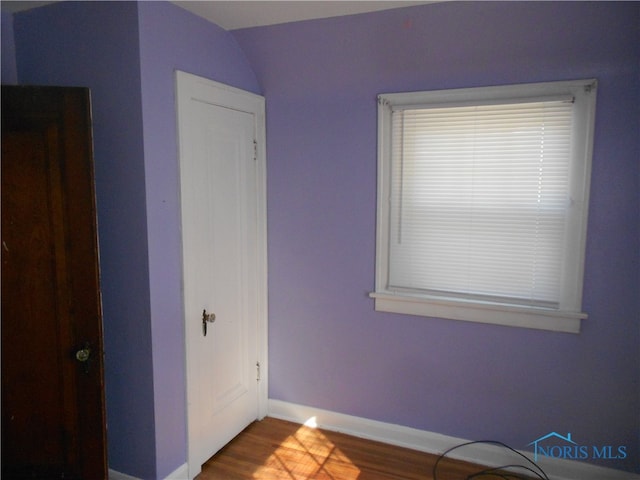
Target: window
482, 203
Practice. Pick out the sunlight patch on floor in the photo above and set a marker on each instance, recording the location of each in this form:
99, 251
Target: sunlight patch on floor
307, 454
312, 422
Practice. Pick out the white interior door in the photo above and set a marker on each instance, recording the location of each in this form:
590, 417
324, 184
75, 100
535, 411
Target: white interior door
222, 200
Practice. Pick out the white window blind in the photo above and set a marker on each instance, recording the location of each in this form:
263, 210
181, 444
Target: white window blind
479, 200
482, 200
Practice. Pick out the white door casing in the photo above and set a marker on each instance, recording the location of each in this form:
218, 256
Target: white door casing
223, 208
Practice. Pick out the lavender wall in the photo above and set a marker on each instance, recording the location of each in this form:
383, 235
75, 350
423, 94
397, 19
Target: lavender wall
127, 54
172, 38
328, 347
95, 44
9, 71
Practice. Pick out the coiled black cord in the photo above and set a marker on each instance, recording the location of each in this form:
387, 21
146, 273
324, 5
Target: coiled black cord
497, 472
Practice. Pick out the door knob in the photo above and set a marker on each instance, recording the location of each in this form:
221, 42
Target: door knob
207, 317
83, 356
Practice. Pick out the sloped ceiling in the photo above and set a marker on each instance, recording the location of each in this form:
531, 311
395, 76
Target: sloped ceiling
232, 15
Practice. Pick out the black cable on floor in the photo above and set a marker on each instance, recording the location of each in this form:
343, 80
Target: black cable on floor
497, 472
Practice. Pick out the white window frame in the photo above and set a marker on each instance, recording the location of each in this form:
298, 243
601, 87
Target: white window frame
567, 317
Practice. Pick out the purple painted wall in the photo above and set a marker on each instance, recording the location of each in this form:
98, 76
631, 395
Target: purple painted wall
328, 347
9, 71
172, 38
95, 44
127, 54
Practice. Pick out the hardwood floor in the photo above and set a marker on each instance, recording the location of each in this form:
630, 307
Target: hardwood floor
274, 449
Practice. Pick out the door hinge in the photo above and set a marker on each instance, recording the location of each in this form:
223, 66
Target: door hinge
258, 371
255, 150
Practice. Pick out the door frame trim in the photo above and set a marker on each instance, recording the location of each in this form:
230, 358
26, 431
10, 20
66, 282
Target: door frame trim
187, 85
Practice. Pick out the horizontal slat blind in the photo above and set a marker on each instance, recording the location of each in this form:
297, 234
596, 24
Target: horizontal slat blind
479, 201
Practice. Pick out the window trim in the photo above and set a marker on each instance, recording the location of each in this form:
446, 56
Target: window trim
567, 317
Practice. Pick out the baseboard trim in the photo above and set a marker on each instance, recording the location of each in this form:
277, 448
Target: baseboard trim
179, 473
115, 475
435, 443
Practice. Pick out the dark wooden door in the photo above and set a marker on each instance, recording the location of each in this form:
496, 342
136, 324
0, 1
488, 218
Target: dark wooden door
53, 417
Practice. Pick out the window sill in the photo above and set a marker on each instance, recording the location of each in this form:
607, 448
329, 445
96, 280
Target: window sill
508, 315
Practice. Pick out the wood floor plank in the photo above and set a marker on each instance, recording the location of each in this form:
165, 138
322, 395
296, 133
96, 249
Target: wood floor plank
273, 449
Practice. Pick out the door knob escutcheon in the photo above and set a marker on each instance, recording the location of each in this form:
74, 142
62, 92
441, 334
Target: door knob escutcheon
83, 356
207, 317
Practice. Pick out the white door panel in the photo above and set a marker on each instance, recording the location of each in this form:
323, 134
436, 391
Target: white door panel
220, 195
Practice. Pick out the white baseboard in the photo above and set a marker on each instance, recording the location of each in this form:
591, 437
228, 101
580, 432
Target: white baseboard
435, 443
180, 473
114, 475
